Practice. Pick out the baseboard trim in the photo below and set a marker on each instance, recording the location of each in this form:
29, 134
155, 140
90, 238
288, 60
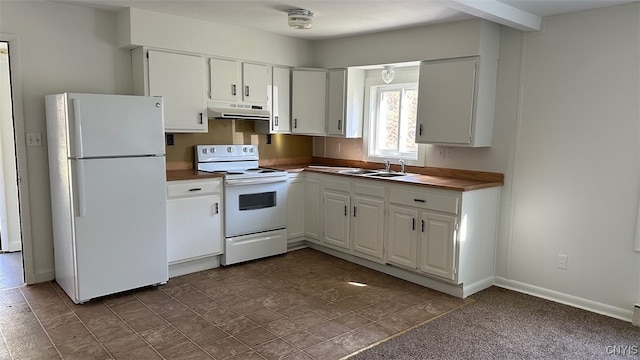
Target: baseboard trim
566, 299
192, 266
473, 288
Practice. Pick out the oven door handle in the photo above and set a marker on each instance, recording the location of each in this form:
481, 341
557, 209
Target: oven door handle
237, 182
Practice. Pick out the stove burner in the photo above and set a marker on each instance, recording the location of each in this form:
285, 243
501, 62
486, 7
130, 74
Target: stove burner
226, 172
260, 170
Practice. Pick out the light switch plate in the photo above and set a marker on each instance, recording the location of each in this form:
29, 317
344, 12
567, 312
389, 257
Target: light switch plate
34, 139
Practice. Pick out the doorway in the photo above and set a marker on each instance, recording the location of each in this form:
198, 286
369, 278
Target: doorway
11, 264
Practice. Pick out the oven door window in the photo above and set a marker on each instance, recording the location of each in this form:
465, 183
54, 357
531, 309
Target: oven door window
257, 201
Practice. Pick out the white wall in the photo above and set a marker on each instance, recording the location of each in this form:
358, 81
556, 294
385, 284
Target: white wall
576, 177
62, 48
139, 27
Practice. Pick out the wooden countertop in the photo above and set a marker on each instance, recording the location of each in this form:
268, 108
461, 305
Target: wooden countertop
463, 183
450, 179
191, 174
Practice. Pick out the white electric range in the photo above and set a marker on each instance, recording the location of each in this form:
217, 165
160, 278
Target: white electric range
255, 202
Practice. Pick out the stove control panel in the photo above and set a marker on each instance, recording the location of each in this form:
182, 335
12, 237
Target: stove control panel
208, 153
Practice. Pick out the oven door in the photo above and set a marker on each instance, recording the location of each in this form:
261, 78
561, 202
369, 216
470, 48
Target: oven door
255, 205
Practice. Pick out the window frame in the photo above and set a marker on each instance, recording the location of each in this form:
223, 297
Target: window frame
404, 77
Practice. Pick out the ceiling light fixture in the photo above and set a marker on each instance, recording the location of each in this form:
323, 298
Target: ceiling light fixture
388, 73
300, 18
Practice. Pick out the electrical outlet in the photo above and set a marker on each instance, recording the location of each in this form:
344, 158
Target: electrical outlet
441, 152
34, 139
337, 147
561, 261
448, 153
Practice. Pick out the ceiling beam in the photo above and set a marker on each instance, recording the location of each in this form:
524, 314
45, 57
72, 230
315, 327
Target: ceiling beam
498, 12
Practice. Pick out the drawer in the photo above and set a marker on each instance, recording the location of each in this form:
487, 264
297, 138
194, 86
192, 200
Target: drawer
334, 183
425, 199
193, 188
369, 188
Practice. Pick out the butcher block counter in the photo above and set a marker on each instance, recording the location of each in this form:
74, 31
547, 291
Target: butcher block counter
450, 179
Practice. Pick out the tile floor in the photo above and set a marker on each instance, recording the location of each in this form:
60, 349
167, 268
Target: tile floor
10, 269
302, 305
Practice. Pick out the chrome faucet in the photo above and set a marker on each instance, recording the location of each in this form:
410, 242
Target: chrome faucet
402, 166
387, 166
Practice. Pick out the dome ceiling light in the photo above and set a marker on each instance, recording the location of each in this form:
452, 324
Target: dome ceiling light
300, 18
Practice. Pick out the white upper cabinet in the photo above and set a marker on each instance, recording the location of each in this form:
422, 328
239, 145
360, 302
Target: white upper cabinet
308, 101
180, 79
224, 82
279, 103
233, 81
456, 101
345, 102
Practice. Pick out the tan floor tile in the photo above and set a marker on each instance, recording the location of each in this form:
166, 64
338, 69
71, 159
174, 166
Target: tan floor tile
67, 331
146, 322
298, 356
276, 349
168, 341
255, 337
329, 329
304, 339
264, 316
352, 320
225, 348
197, 354
249, 355
28, 342
328, 350
144, 353
282, 327
46, 352
308, 318
238, 325
124, 344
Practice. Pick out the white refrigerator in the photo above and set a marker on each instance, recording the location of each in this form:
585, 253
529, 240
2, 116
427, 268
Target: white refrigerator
107, 177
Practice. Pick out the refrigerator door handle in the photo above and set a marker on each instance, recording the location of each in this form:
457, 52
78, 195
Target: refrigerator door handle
78, 127
82, 207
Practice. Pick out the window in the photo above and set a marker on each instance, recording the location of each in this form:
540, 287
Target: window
394, 122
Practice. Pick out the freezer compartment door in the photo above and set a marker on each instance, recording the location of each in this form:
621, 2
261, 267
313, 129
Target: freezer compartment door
120, 232
114, 125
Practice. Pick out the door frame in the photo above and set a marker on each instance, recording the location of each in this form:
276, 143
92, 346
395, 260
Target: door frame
21, 158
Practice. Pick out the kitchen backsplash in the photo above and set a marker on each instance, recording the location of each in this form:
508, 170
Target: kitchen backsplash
282, 147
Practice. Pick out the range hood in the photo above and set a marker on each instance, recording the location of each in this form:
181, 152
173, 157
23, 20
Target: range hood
255, 112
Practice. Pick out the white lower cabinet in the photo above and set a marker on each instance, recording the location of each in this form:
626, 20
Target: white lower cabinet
353, 213
422, 236
312, 208
296, 207
443, 239
194, 219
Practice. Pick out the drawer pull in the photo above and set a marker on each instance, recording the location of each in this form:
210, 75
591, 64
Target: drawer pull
423, 225
420, 200
345, 210
413, 226
355, 211
195, 189
217, 209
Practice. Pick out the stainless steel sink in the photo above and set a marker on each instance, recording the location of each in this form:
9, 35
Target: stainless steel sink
358, 171
385, 174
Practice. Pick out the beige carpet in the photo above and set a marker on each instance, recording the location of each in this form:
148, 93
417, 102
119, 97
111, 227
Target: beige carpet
503, 324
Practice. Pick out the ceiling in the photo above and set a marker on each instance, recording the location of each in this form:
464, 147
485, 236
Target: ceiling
353, 17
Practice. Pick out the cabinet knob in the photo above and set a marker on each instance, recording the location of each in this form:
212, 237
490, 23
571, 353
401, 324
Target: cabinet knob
413, 224
246, 91
233, 89
217, 207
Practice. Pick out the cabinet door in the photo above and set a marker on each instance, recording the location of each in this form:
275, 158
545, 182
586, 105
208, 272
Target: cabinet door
402, 236
281, 100
368, 226
255, 79
336, 219
308, 101
295, 208
194, 227
437, 245
336, 102
446, 93
312, 209
179, 79
223, 80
